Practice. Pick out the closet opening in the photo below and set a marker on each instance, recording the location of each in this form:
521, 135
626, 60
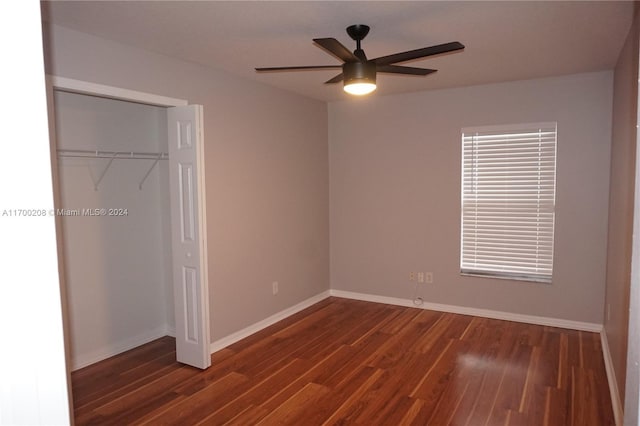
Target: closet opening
129, 197
113, 182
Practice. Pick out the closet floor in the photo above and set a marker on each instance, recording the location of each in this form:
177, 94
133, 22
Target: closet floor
351, 362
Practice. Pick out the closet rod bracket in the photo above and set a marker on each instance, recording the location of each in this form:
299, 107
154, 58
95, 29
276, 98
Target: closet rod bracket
104, 172
149, 171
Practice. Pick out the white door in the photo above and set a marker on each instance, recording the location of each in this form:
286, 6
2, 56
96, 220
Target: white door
188, 234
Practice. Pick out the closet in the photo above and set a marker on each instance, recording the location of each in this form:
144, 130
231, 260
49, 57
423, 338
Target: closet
115, 208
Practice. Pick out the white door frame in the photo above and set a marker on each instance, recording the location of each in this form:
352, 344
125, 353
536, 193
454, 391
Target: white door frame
88, 88
104, 91
632, 379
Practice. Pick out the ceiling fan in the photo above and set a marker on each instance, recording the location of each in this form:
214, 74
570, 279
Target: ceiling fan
358, 72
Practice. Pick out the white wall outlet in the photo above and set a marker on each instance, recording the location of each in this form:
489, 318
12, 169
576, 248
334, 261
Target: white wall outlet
420, 277
429, 277
412, 276
274, 287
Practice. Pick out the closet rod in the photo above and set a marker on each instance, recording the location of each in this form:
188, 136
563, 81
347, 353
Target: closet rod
121, 155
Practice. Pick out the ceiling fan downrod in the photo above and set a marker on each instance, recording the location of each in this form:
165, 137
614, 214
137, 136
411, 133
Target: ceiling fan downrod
358, 33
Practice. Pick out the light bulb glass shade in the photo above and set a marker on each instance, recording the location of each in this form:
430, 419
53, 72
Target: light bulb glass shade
359, 89
359, 77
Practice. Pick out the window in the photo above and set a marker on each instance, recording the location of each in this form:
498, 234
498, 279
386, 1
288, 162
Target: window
508, 201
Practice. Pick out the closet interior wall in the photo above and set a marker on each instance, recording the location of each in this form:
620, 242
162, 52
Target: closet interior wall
118, 268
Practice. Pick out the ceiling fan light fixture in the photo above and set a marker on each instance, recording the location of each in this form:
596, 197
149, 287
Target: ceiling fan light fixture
359, 89
359, 78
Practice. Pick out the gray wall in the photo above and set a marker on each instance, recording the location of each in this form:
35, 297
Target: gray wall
395, 193
621, 203
266, 173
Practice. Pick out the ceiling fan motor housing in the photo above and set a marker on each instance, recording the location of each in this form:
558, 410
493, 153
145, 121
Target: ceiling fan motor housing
359, 72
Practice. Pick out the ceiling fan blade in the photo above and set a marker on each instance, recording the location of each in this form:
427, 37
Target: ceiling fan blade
336, 48
338, 78
313, 67
418, 53
397, 69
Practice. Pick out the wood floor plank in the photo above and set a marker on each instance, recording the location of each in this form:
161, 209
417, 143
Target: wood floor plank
509, 394
294, 410
198, 406
131, 401
352, 362
436, 378
350, 331
467, 386
434, 334
249, 416
113, 371
584, 395
352, 396
257, 394
134, 386
549, 363
558, 407
400, 321
279, 326
360, 353
325, 368
401, 380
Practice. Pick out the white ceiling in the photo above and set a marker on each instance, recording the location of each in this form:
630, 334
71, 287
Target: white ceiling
504, 41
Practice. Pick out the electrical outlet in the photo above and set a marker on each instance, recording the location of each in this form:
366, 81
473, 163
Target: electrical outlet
274, 287
412, 276
420, 277
429, 277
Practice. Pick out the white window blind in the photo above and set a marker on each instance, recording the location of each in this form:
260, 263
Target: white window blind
508, 201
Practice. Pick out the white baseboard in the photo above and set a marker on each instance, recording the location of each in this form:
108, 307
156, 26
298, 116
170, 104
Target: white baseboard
611, 378
254, 328
485, 313
83, 360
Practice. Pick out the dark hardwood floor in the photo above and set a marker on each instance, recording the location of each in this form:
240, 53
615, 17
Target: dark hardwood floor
349, 362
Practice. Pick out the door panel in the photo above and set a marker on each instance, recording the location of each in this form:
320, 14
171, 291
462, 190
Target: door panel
189, 283
188, 234
187, 217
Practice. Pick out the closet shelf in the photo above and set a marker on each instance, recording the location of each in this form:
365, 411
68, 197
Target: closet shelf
112, 155
86, 153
